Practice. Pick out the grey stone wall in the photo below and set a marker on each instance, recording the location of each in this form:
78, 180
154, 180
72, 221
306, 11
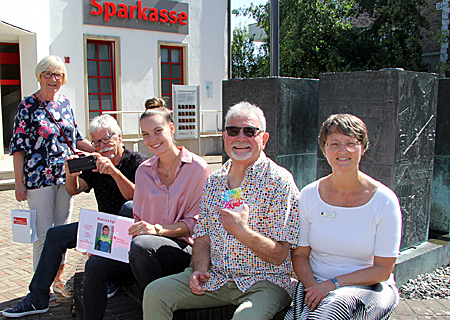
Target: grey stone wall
440, 200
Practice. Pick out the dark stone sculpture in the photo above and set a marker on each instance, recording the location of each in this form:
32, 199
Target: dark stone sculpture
440, 199
399, 108
290, 107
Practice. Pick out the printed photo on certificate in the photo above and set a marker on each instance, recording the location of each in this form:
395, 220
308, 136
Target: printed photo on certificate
105, 235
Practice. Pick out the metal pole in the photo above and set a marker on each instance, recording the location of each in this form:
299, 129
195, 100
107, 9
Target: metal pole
229, 40
274, 38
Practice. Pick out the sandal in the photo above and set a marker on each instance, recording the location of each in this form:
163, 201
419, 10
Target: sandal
53, 300
66, 291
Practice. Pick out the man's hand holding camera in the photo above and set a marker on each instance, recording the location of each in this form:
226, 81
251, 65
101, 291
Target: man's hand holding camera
104, 165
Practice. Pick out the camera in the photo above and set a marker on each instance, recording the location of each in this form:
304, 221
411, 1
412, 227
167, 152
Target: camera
82, 164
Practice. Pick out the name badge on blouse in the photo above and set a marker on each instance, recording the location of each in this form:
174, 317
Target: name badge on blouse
328, 214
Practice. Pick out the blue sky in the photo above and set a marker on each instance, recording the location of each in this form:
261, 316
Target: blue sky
241, 3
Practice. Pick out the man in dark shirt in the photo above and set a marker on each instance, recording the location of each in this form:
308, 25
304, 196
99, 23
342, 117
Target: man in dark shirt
113, 184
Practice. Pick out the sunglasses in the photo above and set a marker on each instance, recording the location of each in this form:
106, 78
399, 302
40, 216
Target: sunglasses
250, 132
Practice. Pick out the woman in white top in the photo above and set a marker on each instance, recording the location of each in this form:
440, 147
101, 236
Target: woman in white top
349, 236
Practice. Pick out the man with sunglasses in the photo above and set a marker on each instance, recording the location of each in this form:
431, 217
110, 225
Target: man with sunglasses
113, 185
239, 257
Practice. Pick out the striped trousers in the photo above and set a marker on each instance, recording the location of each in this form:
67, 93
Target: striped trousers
356, 303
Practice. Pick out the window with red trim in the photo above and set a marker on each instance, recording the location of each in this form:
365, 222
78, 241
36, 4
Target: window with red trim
10, 86
101, 77
172, 67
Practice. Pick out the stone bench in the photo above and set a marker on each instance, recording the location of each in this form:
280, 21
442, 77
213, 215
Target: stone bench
126, 305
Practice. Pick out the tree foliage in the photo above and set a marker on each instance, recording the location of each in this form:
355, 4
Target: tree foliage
243, 54
319, 36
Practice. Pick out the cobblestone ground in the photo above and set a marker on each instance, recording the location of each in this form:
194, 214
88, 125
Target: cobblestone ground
16, 259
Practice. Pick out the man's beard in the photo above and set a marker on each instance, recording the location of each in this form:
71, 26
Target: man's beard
240, 156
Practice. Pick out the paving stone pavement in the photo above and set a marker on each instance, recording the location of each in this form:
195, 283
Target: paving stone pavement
16, 259
16, 268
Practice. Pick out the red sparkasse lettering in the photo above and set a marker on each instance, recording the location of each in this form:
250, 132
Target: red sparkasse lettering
132, 8
141, 11
123, 11
173, 17
138, 11
182, 18
108, 13
153, 15
163, 15
99, 8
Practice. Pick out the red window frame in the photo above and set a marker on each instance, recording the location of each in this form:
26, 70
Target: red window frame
168, 96
10, 58
111, 60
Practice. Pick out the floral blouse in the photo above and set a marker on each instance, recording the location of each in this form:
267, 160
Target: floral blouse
45, 149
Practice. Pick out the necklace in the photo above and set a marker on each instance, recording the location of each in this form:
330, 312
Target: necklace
167, 171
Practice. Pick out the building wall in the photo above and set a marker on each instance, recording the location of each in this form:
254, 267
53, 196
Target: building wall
59, 30
32, 16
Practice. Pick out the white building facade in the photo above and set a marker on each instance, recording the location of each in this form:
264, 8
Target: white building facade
118, 53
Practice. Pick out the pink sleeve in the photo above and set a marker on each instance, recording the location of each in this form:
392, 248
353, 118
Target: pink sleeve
191, 215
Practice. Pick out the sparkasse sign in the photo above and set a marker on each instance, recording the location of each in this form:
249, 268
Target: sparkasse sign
157, 15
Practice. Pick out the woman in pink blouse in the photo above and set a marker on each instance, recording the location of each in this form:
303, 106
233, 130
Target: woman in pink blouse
166, 200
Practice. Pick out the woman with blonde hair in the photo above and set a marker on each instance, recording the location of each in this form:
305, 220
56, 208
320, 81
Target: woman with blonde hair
44, 135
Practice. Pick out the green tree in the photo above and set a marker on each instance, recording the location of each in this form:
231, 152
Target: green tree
394, 34
327, 35
442, 67
244, 56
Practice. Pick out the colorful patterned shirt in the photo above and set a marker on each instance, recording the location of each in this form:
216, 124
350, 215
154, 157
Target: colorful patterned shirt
45, 149
271, 194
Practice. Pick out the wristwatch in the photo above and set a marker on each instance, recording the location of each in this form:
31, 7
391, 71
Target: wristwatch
158, 229
336, 282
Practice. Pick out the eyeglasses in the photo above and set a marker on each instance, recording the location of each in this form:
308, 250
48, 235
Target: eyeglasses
350, 146
104, 140
250, 132
49, 75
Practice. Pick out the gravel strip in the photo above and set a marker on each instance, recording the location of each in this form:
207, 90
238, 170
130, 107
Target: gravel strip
428, 286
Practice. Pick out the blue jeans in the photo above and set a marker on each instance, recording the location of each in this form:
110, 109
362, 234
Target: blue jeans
57, 241
151, 257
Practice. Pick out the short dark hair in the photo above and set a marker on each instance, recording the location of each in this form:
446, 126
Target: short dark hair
344, 123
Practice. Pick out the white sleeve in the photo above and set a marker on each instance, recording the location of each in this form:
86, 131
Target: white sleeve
306, 199
388, 225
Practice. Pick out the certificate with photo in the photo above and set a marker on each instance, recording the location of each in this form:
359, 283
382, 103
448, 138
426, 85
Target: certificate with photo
105, 235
